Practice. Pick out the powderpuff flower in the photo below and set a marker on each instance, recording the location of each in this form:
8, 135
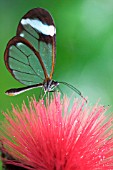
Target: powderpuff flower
57, 136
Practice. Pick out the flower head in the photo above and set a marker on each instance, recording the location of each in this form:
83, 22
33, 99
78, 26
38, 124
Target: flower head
55, 136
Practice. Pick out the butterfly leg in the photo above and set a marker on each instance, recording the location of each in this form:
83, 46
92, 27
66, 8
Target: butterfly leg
59, 89
41, 94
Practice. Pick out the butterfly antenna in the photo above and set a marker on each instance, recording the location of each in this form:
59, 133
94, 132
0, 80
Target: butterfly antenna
74, 89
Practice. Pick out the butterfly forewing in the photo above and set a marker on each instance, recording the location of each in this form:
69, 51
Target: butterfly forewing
37, 26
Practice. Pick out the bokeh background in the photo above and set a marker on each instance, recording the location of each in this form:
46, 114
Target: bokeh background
84, 46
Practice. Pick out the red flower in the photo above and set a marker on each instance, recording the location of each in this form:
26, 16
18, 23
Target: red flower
54, 136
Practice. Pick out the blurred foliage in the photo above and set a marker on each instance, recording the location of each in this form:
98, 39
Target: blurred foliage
84, 46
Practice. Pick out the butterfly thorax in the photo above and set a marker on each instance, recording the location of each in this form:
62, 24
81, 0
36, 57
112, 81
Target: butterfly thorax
50, 85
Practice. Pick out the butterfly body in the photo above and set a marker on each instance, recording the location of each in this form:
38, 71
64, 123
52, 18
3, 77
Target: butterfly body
48, 86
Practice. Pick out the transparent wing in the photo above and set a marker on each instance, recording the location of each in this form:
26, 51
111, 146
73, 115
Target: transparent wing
37, 27
24, 62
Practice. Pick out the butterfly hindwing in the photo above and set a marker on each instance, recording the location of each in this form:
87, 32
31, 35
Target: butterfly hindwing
22, 60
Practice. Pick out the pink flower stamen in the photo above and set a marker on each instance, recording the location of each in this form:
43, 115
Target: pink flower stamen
55, 136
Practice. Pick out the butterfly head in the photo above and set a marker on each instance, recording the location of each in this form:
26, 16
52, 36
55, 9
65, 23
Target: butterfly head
50, 85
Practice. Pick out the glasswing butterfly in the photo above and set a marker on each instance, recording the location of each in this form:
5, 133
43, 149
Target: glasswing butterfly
30, 55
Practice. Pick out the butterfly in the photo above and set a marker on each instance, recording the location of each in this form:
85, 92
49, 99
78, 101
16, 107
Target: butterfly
30, 55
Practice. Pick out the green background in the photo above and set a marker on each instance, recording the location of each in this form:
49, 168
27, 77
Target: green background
84, 46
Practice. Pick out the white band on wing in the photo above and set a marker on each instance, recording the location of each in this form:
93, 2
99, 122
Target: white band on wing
38, 25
